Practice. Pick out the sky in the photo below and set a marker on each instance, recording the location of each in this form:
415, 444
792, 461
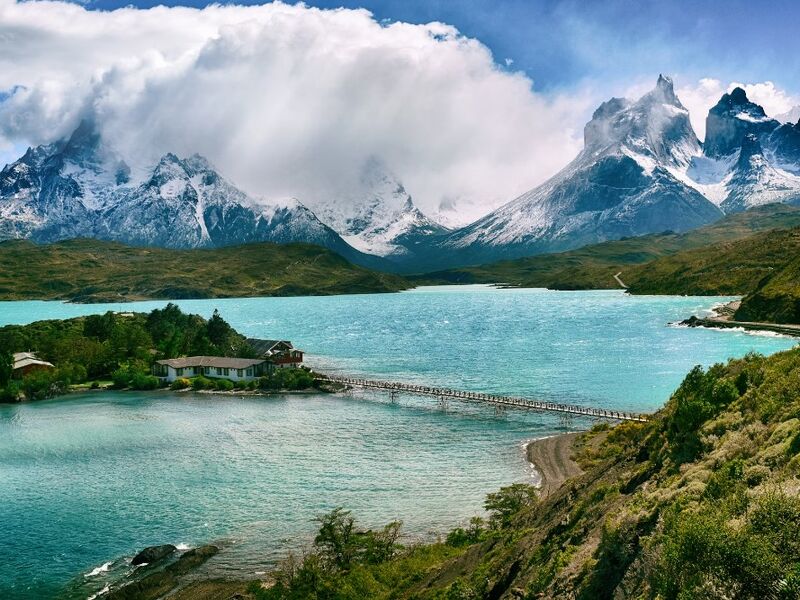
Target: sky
468, 102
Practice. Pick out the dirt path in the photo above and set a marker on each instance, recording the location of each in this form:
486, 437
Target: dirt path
619, 281
552, 458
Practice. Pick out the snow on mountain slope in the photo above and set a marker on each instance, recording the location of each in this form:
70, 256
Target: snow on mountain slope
621, 184
79, 188
378, 216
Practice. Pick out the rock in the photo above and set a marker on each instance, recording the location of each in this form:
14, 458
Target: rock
192, 559
153, 554
692, 321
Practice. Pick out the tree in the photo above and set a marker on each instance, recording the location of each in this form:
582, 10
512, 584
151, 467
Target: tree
507, 502
335, 537
219, 332
6, 367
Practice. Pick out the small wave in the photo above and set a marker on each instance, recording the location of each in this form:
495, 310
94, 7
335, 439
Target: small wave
182, 547
101, 569
105, 590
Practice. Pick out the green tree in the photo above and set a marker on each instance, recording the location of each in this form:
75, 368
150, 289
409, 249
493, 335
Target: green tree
507, 502
6, 367
219, 332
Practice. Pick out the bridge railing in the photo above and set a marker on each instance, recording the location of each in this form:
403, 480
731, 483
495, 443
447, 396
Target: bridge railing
484, 397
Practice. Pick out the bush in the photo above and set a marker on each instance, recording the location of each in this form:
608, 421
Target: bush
10, 393
42, 384
466, 536
71, 373
142, 381
201, 383
95, 385
180, 384
224, 385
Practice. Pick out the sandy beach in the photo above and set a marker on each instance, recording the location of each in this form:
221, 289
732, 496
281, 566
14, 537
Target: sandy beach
552, 458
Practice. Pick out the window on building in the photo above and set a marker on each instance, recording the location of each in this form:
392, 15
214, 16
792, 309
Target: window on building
179, 372
250, 372
239, 372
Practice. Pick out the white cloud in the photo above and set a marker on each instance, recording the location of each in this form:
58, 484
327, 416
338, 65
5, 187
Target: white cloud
287, 100
699, 97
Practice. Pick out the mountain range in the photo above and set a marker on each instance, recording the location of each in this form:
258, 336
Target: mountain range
642, 170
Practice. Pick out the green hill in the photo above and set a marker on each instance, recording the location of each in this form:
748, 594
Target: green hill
594, 267
94, 271
764, 268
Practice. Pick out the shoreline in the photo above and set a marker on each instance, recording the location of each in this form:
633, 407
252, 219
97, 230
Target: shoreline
552, 459
721, 317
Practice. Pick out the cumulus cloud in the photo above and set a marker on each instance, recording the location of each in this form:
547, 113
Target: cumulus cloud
287, 100
699, 97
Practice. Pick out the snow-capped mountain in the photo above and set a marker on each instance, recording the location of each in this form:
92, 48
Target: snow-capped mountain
378, 216
749, 159
625, 182
643, 170
80, 188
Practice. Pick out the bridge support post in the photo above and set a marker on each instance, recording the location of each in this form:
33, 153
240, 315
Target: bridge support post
393, 394
500, 410
444, 403
565, 421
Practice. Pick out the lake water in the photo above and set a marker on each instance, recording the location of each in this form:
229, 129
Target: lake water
90, 479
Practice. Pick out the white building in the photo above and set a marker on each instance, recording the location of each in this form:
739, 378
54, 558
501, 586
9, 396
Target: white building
235, 369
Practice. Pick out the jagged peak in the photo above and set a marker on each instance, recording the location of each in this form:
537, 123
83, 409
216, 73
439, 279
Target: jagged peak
665, 91
737, 99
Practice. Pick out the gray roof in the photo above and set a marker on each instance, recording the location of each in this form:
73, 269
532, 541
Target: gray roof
26, 359
222, 362
265, 346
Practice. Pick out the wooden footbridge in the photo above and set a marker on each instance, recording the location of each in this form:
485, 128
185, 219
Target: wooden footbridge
394, 388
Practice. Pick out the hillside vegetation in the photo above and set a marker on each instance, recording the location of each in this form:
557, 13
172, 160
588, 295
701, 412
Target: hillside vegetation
701, 502
593, 267
764, 268
95, 271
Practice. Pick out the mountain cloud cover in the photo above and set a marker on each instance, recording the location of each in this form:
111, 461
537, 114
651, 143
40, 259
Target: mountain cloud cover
285, 100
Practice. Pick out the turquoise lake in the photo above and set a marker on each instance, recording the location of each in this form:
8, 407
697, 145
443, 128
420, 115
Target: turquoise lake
87, 480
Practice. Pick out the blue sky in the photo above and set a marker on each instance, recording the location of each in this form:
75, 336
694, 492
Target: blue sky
563, 43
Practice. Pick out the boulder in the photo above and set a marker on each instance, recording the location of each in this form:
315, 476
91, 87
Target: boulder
153, 554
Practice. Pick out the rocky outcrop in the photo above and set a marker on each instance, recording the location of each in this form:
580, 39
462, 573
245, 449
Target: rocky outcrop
153, 554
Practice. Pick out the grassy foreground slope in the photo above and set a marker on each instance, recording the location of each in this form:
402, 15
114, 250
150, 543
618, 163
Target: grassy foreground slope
593, 267
95, 271
701, 502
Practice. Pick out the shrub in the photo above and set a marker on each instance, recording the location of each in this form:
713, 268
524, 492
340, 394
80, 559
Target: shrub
201, 383
95, 385
142, 381
224, 385
10, 393
42, 384
180, 384
71, 373
460, 536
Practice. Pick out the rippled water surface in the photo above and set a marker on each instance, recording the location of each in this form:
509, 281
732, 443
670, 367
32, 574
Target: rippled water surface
89, 479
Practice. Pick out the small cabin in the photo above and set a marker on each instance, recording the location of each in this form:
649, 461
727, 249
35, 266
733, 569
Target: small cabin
27, 362
280, 353
235, 369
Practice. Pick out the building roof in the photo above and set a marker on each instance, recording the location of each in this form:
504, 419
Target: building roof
266, 347
27, 359
222, 362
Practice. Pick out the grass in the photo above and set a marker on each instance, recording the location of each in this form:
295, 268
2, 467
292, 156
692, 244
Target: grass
95, 271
